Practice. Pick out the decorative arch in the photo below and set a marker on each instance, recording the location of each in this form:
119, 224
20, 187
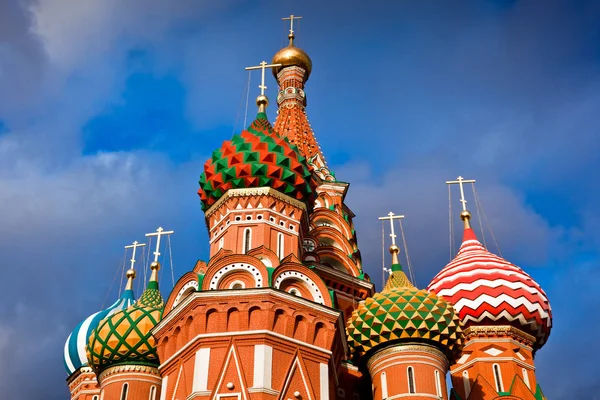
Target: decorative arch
185, 286
329, 217
295, 275
265, 255
223, 272
337, 260
329, 236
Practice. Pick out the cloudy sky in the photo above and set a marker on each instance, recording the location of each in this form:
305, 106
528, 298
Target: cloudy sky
108, 110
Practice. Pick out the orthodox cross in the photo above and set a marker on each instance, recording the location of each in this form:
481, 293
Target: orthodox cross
134, 246
391, 216
159, 232
291, 18
263, 65
460, 180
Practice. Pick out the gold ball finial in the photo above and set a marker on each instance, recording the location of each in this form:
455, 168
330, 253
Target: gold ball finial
155, 266
130, 274
262, 102
292, 56
394, 249
465, 215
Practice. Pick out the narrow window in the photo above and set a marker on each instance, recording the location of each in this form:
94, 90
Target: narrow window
124, 391
384, 388
247, 240
221, 242
438, 383
280, 245
95, 397
498, 378
526, 377
152, 393
411, 380
467, 383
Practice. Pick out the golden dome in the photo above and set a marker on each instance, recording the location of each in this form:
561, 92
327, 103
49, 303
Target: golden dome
292, 55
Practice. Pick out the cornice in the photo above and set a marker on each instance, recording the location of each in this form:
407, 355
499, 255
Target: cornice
144, 369
473, 332
260, 191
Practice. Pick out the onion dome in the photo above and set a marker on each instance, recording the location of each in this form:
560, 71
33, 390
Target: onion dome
124, 337
488, 290
292, 56
75, 346
257, 157
403, 313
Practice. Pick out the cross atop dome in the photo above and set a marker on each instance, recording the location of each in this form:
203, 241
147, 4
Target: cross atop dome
291, 18
262, 101
465, 215
131, 271
394, 250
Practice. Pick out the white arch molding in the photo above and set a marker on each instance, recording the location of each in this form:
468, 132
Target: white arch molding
188, 288
228, 269
295, 275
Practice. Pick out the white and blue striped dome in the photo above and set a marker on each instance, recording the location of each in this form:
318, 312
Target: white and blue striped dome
74, 355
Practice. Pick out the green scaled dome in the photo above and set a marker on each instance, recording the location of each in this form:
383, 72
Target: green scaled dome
402, 312
257, 157
124, 337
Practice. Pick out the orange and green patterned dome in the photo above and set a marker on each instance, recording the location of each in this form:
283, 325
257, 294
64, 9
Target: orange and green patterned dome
124, 337
257, 157
402, 312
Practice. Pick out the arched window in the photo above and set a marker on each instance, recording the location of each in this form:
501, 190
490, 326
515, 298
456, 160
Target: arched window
280, 245
152, 393
411, 380
498, 378
221, 242
525, 377
95, 397
247, 240
467, 383
124, 391
438, 383
384, 388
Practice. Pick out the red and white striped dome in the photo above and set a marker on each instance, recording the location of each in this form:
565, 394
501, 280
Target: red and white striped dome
488, 290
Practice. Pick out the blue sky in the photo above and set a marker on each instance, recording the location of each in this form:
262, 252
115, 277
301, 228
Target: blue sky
109, 109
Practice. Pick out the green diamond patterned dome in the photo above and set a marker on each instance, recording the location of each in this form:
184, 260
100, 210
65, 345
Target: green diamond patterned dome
402, 312
257, 157
124, 337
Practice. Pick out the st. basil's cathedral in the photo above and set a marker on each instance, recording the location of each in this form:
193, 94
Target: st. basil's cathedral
283, 308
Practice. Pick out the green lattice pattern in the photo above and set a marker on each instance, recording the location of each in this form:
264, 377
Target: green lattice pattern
404, 313
124, 337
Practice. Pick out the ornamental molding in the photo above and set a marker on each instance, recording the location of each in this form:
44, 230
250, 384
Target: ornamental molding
144, 369
231, 268
296, 275
473, 332
261, 191
404, 348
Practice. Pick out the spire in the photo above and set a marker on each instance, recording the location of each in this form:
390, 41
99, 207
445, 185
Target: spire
397, 276
131, 271
465, 215
292, 122
262, 101
155, 266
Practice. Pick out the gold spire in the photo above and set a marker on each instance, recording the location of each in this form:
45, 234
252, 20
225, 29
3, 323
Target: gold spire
395, 250
155, 266
130, 277
465, 215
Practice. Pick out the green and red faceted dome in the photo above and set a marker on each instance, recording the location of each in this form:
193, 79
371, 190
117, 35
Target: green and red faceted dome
257, 157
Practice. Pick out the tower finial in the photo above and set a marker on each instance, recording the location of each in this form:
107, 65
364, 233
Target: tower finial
131, 271
394, 250
262, 101
465, 215
155, 266
291, 36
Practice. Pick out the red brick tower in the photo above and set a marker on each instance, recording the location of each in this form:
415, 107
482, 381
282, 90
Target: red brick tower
507, 318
